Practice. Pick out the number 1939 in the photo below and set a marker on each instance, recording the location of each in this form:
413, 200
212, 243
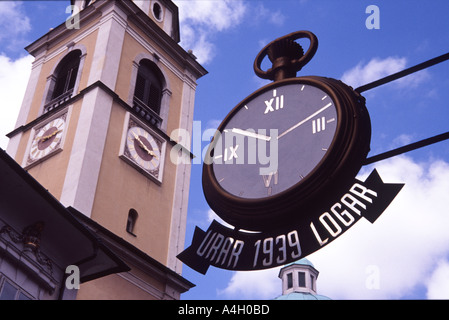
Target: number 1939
276, 250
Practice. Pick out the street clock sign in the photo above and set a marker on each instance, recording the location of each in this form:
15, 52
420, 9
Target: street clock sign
281, 168
317, 137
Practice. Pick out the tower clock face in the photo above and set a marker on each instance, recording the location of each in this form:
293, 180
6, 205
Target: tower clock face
275, 140
143, 148
47, 139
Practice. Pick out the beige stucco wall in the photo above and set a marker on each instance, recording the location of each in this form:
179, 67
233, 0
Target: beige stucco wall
113, 287
121, 187
51, 172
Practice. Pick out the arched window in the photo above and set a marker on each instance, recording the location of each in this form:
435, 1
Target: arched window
131, 222
149, 85
66, 74
149, 90
64, 80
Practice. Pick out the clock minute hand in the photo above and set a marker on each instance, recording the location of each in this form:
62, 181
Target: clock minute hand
141, 144
151, 153
305, 120
138, 139
251, 134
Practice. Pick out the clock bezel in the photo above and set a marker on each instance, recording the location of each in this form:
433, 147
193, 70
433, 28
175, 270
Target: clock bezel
336, 170
29, 162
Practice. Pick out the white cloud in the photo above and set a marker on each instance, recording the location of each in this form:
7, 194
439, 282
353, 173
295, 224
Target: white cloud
401, 140
377, 68
200, 20
248, 285
213, 124
13, 24
384, 260
373, 70
14, 74
211, 215
218, 15
438, 284
13, 81
261, 13
401, 245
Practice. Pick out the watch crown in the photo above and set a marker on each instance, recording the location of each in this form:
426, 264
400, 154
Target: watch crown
285, 48
282, 54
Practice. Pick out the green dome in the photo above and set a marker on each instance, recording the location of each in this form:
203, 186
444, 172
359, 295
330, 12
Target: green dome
301, 296
302, 262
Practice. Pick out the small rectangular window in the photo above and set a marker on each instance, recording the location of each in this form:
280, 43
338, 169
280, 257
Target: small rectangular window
23, 297
312, 282
8, 291
301, 279
289, 280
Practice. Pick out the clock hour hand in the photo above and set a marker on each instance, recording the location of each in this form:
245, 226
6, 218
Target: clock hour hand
141, 144
151, 153
43, 139
305, 120
251, 134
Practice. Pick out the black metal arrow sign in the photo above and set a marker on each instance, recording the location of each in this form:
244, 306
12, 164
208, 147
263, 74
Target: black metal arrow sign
231, 249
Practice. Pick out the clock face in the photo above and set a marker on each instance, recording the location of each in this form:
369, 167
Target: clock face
47, 139
275, 140
143, 148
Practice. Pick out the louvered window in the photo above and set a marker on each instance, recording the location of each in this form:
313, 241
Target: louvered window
149, 86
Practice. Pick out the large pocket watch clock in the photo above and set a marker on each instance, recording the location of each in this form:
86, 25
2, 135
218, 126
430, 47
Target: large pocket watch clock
284, 149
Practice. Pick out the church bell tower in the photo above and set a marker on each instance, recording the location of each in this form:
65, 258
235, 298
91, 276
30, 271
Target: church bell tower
106, 91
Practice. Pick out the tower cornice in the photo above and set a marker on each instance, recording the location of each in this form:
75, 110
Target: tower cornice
136, 17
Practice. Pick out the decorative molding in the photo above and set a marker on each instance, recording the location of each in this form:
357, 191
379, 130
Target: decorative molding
30, 239
181, 74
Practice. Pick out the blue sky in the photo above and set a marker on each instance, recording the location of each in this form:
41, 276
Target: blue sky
405, 254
